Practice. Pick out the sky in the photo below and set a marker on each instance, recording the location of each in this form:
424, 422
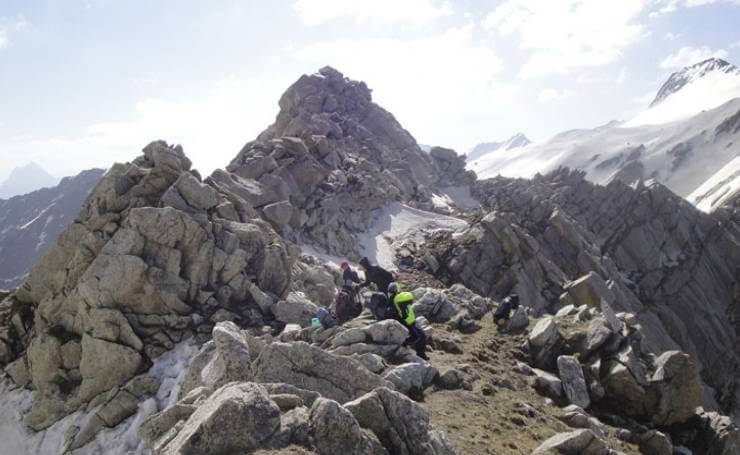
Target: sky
86, 83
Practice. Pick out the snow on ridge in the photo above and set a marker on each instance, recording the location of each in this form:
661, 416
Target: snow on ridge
707, 92
170, 368
718, 188
25, 226
393, 222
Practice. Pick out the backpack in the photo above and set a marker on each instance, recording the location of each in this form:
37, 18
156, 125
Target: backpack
347, 306
380, 307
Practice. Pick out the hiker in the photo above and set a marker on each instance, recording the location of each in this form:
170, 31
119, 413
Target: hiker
380, 306
348, 305
377, 275
503, 312
402, 302
349, 276
326, 319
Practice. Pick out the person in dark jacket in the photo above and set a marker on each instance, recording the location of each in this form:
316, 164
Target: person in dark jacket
349, 276
402, 303
377, 275
503, 312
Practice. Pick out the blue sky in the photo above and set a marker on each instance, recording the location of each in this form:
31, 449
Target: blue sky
89, 82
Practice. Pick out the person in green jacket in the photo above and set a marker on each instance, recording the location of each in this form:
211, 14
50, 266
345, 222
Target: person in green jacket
402, 302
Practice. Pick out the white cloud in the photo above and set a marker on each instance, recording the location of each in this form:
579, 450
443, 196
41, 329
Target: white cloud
551, 94
3, 39
21, 25
671, 36
443, 88
212, 129
568, 34
669, 6
622, 76
734, 45
643, 100
689, 55
316, 12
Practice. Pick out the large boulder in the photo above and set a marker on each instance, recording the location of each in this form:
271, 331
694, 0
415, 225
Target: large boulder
401, 424
411, 378
105, 365
238, 417
309, 367
335, 431
295, 309
676, 383
388, 331
545, 343
434, 305
578, 442
589, 290
574, 383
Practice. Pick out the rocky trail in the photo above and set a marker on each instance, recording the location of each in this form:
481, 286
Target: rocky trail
174, 315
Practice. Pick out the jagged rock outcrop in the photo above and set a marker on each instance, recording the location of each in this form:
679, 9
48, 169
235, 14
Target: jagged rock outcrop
331, 158
158, 256
559, 240
153, 254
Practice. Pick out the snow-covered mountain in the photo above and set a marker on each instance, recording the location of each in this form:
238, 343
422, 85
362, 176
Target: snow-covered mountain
692, 74
30, 223
516, 141
25, 179
687, 140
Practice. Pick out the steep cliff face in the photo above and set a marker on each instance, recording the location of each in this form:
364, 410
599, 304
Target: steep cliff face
557, 239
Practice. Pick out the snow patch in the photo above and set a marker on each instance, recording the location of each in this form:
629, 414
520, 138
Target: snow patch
25, 226
394, 221
16, 438
718, 188
708, 92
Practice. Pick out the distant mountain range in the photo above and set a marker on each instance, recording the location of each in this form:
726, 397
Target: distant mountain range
516, 141
30, 223
688, 139
25, 179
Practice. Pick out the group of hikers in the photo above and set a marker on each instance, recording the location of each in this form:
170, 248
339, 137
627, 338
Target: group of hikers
390, 302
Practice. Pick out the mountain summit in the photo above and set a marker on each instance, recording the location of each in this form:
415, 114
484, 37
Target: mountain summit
25, 179
693, 73
515, 141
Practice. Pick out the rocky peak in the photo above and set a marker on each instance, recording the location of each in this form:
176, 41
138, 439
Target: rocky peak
333, 156
26, 179
692, 73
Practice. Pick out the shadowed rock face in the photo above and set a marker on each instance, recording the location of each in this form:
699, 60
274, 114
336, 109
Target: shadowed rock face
30, 223
648, 252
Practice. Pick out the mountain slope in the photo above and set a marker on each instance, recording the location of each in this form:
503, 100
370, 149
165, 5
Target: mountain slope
175, 314
516, 141
682, 140
25, 179
29, 224
691, 74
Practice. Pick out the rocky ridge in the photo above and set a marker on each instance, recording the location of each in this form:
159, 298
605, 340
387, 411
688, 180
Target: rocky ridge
331, 158
159, 258
559, 240
30, 223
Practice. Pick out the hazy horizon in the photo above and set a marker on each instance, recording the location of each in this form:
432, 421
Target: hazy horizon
88, 83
